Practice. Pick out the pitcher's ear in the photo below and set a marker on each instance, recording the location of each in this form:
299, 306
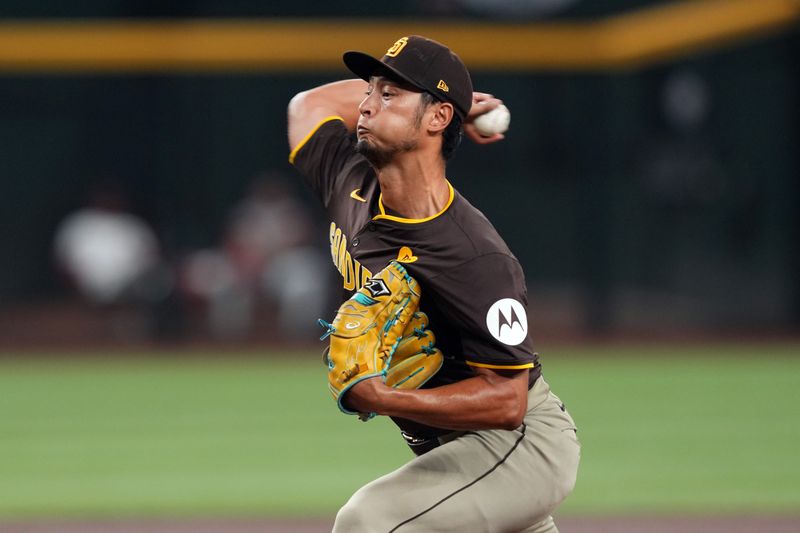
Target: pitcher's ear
441, 117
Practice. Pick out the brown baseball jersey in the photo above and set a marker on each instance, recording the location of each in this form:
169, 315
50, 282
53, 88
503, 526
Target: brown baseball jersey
473, 288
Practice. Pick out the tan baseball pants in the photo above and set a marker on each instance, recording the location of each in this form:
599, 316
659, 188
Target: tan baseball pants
488, 481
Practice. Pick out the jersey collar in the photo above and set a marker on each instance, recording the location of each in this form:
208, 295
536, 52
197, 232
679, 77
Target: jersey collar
384, 216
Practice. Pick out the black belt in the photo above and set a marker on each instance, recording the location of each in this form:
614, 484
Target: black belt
421, 445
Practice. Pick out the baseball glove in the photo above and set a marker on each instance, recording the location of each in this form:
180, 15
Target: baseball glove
416, 358
367, 330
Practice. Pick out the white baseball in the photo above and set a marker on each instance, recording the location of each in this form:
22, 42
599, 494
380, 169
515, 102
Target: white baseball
495, 121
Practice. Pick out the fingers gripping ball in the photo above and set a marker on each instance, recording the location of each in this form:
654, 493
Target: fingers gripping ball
416, 358
367, 329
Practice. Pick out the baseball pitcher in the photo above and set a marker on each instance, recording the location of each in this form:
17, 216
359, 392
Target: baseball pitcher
433, 331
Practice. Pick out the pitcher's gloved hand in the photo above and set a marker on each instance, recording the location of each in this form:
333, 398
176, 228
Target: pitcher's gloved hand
367, 330
416, 358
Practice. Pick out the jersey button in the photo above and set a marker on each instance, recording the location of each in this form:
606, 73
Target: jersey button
356, 241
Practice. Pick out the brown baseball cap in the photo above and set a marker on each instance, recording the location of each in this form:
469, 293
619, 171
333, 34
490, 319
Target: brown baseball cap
424, 63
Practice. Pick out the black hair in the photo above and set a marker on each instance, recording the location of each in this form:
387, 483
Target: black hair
451, 137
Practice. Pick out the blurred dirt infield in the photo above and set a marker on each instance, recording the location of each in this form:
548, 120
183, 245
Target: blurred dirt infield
566, 525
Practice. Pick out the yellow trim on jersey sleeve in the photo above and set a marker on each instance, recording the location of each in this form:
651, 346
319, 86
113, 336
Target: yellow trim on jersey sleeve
311, 134
384, 216
500, 367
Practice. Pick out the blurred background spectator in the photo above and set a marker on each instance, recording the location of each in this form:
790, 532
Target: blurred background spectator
107, 251
112, 258
269, 272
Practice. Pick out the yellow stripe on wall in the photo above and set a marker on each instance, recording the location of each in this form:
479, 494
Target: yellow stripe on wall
673, 30
640, 37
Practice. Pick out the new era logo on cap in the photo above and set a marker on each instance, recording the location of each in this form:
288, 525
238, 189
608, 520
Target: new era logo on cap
423, 63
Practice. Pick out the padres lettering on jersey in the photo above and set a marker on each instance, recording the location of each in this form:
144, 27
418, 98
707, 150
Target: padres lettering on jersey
354, 274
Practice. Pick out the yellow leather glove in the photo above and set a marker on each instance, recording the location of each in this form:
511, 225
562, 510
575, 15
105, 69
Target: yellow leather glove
367, 330
416, 358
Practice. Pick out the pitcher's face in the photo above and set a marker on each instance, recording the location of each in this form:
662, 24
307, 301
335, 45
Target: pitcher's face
389, 121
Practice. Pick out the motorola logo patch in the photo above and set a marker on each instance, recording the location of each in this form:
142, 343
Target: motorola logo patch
507, 321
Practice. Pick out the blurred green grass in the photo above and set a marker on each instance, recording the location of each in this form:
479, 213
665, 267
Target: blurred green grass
670, 429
